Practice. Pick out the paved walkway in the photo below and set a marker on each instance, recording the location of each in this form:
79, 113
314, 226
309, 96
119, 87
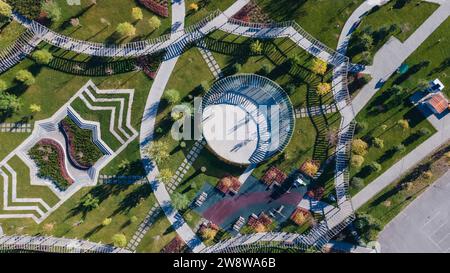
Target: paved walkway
424, 226
390, 57
382, 67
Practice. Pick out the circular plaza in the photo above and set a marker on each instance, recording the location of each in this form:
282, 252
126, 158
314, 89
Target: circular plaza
247, 119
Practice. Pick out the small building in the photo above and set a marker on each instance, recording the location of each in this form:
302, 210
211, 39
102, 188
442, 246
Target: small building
437, 103
229, 184
436, 86
274, 176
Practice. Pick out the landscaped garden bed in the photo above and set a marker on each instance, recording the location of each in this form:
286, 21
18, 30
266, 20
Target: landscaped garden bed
82, 150
49, 158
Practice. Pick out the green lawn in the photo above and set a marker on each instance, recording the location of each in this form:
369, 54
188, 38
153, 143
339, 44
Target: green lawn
98, 22
9, 33
120, 202
324, 19
407, 19
158, 236
205, 8
385, 109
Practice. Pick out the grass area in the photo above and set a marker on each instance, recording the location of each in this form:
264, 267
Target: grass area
205, 8
119, 202
158, 236
10, 141
428, 62
98, 22
404, 20
386, 205
324, 19
9, 33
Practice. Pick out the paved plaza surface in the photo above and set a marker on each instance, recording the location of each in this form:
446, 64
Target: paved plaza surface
424, 226
253, 197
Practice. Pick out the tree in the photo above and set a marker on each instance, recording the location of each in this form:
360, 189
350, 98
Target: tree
25, 77
400, 148
42, 56
119, 240
154, 23
357, 183
9, 103
310, 168
323, 88
126, 29
319, 66
403, 123
208, 234
366, 41
375, 167
165, 176
137, 14
256, 47
158, 151
89, 202
172, 96
194, 7
359, 147
378, 143
180, 201
52, 9
106, 222
357, 161
35, 108
3, 86
5, 10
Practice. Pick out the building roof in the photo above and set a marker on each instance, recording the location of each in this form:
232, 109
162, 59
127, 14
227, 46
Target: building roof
272, 175
438, 103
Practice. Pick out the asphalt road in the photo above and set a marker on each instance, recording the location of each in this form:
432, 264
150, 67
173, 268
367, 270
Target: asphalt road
424, 226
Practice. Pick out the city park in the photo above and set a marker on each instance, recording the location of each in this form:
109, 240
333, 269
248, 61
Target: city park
87, 97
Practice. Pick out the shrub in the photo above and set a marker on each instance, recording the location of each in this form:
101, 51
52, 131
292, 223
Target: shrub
172, 96
400, 148
42, 56
403, 123
256, 47
378, 143
323, 88
9, 103
208, 234
133, 219
428, 174
52, 9
137, 14
359, 147
119, 240
357, 183
194, 7
154, 23
165, 175
28, 8
357, 161
106, 222
180, 201
375, 167
5, 10
126, 29
319, 66
25, 77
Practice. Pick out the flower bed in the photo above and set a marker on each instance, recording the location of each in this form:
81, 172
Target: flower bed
252, 13
49, 158
82, 151
159, 7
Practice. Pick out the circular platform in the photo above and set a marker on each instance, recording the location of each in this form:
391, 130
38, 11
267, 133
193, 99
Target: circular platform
247, 119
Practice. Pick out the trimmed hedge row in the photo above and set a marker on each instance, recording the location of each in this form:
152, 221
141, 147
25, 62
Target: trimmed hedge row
82, 149
49, 158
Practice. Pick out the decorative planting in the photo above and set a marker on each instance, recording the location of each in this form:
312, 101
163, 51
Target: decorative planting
159, 7
49, 158
82, 150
